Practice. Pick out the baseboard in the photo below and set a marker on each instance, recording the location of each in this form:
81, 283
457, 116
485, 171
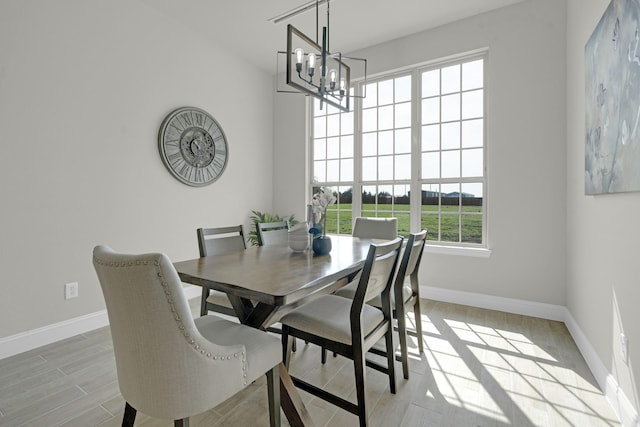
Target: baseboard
509, 305
623, 407
25, 341
621, 404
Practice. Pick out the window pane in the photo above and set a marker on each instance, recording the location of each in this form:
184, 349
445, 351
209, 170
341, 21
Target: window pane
430, 137
333, 125
333, 170
385, 168
370, 144
431, 83
451, 135
472, 163
346, 121
385, 142
403, 141
385, 117
403, 115
369, 193
472, 104
430, 165
319, 171
320, 127
346, 146
403, 89
451, 164
450, 197
370, 120
451, 107
333, 148
472, 133
472, 75
370, 168
385, 92
403, 166
430, 110
450, 228
451, 79
372, 96
320, 149
346, 170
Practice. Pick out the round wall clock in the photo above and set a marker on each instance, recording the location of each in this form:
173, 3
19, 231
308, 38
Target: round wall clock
193, 146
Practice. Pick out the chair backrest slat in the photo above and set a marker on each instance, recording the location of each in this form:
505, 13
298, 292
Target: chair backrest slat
376, 228
410, 263
376, 277
272, 233
221, 240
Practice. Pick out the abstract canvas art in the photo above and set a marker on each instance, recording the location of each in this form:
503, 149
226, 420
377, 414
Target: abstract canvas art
612, 64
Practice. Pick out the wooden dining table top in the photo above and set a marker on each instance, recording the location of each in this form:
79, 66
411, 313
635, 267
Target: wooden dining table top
276, 275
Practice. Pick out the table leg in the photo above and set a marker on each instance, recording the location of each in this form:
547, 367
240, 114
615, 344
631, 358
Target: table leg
291, 403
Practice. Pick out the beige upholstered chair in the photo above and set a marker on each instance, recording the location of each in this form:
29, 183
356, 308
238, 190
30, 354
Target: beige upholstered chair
218, 241
405, 296
350, 327
170, 366
272, 233
376, 228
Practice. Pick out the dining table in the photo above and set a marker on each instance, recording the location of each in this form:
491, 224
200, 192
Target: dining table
264, 282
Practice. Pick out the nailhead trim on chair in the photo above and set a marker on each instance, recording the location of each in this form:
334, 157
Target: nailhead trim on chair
181, 326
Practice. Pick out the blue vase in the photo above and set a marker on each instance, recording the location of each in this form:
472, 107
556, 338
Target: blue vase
321, 245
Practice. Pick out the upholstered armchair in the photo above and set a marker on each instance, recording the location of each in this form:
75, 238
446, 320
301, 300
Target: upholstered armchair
170, 366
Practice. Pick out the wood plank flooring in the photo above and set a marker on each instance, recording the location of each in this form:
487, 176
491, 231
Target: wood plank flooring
480, 368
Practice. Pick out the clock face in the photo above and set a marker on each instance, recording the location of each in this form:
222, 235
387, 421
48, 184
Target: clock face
193, 146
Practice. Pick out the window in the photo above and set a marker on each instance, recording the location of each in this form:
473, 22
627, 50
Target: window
413, 148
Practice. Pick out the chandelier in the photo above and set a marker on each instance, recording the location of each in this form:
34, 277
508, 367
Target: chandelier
312, 69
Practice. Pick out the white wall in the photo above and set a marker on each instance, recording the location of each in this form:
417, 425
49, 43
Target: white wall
525, 147
603, 280
84, 86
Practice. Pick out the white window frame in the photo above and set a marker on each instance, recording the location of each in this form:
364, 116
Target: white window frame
416, 181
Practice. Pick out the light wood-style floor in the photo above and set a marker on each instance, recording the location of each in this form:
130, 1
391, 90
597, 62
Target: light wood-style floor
480, 368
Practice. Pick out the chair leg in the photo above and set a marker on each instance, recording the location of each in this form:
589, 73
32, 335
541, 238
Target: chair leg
203, 302
391, 359
402, 334
273, 388
181, 423
360, 374
417, 314
323, 357
129, 415
287, 344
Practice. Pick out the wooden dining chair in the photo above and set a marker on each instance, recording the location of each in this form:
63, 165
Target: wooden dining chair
272, 233
375, 228
405, 296
350, 327
169, 365
218, 241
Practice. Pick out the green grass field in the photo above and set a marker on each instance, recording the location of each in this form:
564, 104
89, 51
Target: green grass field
447, 223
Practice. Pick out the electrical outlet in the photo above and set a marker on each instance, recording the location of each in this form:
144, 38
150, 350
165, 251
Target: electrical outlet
624, 348
71, 290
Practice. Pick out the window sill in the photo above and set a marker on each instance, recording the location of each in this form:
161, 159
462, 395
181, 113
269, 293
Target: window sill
458, 250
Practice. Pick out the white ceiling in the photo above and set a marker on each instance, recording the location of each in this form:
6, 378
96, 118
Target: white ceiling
243, 26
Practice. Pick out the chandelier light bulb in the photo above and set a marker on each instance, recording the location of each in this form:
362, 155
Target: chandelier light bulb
333, 75
299, 57
312, 63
